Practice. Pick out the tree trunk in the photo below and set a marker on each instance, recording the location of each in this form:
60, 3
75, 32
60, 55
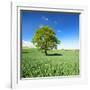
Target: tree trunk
46, 52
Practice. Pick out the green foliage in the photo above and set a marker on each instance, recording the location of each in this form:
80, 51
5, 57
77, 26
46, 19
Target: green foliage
45, 38
61, 63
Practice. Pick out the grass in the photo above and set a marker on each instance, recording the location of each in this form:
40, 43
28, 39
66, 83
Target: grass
34, 63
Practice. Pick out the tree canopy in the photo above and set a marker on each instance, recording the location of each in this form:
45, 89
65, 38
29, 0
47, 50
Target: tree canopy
45, 39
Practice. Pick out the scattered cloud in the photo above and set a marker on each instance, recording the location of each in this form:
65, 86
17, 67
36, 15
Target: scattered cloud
45, 18
41, 25
27, 44
58, 31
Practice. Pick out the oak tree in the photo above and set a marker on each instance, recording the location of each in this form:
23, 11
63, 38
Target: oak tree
45, 39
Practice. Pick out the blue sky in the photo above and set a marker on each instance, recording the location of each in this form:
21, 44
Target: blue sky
65, 25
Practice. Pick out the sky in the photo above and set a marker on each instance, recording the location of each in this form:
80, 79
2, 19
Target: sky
65, 25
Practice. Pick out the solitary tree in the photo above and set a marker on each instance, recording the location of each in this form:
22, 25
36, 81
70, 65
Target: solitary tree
45, 39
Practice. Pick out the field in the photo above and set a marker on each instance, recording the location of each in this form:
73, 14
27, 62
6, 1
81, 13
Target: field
34, 63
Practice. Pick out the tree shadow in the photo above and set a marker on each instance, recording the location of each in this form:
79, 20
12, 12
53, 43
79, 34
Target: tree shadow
55, 54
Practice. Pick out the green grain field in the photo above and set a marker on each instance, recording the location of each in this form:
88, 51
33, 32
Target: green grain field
34, 63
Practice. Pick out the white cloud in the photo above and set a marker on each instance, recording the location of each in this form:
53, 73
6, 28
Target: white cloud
41, 26
58, 30
68, 45
28, 44
45, 18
